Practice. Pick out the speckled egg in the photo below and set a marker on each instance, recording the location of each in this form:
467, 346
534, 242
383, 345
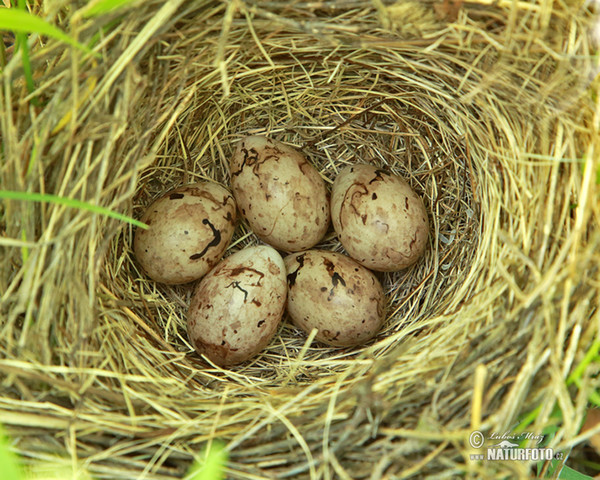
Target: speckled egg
236, 308
279, 193
331, 292
189, 230
380, 220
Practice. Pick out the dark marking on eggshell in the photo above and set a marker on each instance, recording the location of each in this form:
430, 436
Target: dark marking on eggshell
385, 225
211, 198
329, 266
239, 270
256, 302
213, 243
379, 176
274, 269
336, 279
304, 164
176, 196
255, 161
413, 241
261, 323
353, 195
330, 336
211, 349
291, 278
374, 196
236, 284
250, 156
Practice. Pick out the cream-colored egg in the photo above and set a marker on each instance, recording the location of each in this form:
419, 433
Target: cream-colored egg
334, 294
189, 230
279, 193
380, 220
237, 306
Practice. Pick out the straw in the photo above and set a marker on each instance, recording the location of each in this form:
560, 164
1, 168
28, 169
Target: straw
488, 109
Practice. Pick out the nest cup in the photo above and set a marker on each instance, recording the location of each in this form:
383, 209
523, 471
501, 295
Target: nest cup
494, 131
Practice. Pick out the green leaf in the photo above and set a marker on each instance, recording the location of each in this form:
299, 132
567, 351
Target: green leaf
567, 473
19, 21
70, 202
9, 463
213, 466
101, 7
21, 40
590, 356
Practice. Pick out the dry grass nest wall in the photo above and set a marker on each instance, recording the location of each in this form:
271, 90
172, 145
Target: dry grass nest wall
488, 111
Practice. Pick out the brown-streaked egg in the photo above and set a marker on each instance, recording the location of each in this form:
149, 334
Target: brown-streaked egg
332, 293
237, 306
190, 228
380, 220
279, 193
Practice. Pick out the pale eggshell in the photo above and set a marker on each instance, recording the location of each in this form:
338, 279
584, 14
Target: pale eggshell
381, 222
237, 306
190, 228
280, 194
331, 292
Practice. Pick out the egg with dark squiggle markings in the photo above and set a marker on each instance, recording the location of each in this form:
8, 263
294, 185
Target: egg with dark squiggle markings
332, 293
279, 193
190, 228
381, 222
237, 306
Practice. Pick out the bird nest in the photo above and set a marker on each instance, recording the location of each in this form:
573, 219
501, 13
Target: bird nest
488, 109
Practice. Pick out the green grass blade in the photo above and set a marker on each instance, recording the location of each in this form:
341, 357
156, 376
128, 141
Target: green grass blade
589, 357
594, 398
70, 202
21, 41
104, 6
567, 473
213, 467
19, 21
9, 463
528, 419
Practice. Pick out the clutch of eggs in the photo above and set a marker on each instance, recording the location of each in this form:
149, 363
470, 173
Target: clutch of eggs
279, 193
380, 220
189, 229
